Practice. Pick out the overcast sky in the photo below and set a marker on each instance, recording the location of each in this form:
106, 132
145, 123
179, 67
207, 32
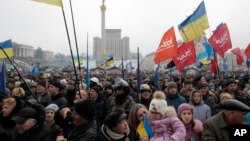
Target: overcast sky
144, 21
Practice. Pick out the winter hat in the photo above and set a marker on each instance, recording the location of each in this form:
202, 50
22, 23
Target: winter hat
145, 87
52, 107
56, 83
230, 81
158, 104
202, 85
185, 106
94, 79
24, 114
41, 83
171, 84
96, 89
114, 118
86, 109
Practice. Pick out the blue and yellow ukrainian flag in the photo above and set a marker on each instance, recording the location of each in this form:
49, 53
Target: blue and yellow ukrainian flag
194, 26
7, 47
144, 129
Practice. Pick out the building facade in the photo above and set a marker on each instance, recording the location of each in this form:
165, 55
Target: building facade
111, 43
21, 50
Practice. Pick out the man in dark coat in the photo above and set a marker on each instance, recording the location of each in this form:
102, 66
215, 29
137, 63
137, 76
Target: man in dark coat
30, 125
216, 128
85, 126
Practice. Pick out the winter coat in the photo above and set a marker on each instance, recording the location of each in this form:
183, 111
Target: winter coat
160, 127
201, 111
59, 100
87, 132
215, 129
175, 100
194, 131
37, 133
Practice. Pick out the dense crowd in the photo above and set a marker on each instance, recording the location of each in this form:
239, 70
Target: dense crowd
52, 107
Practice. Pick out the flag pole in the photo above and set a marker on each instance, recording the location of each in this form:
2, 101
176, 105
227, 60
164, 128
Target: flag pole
19, 74
138, 71
70, 49
87, 72
78, 56
122, 69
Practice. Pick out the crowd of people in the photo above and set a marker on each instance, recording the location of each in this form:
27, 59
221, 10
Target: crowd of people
181, 108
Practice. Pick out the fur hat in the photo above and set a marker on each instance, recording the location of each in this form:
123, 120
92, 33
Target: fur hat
185, 106
86, 109
158, 104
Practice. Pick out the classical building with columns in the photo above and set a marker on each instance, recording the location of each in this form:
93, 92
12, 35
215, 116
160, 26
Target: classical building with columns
21, 50
111, 42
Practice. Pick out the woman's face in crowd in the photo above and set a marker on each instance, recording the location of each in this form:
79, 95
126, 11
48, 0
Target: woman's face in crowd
49, 115
7, 109
146, 94
141, 112
186, 116
196, 97
121, 127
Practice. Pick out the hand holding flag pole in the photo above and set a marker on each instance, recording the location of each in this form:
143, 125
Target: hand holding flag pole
19, 74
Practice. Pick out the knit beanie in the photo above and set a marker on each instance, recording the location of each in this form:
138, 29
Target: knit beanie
86, 109
96, 89
185, 106
52, 107
57, 84
158, 104
41, 83
172, 84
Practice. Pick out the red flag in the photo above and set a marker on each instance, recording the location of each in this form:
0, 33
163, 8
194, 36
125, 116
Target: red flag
247, 51
221, 40
186, 56
238, 54
167, 47
214, 65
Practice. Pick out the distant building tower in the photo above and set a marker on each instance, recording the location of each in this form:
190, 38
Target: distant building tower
110, 42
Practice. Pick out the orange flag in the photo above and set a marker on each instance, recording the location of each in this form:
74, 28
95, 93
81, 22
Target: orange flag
167, 47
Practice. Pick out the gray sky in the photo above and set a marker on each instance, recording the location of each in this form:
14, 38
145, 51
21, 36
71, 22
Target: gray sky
144, 21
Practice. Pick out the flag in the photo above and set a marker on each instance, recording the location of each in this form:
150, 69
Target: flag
35, 69
203, 58
58, 3
144, 129
220, 40
209, 50
248, 62
110, 61
186, 56
214, 64
7, 47
247, 51
129, 67
3, 79
167, 47
156, 76
194, 25
225, 66
238, 54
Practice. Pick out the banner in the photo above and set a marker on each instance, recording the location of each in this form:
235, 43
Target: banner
194, 25
186, 56
167, 47
220, 40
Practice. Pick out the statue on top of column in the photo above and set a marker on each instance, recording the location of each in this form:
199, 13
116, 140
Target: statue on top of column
103, 1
